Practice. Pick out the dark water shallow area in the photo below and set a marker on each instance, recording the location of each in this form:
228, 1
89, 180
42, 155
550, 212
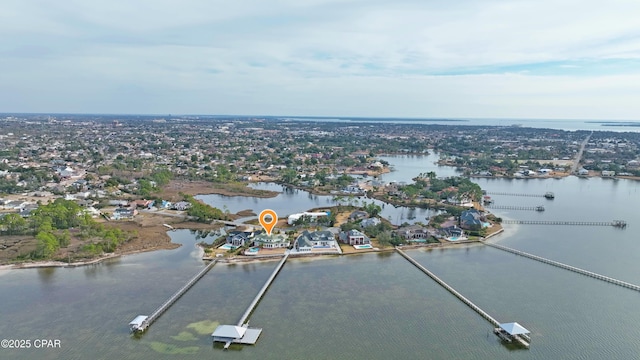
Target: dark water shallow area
366, 306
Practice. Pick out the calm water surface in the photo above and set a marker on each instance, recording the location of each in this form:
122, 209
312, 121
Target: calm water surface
368, 306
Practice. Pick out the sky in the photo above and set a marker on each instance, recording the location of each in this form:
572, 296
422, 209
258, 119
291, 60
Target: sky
564, 59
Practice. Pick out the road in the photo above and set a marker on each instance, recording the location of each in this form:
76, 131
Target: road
576, 162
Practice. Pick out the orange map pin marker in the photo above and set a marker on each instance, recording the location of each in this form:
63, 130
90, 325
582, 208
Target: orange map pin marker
268, 225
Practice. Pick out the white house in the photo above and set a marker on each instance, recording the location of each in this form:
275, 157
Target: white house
272, 241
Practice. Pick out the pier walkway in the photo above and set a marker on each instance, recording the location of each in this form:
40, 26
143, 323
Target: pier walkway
566, 267
266, 285
509, 207
615, 223
548, 195
242, 333
167, 304
453, 291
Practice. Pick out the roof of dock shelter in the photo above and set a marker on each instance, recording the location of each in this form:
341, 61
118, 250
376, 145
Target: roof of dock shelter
138, 320
514, 328
229, 331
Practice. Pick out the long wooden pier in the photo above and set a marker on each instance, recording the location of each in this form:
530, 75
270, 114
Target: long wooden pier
615, 223
509, 207
453, 291
266, 285
167, 304
566, 267
548, 195
253, 333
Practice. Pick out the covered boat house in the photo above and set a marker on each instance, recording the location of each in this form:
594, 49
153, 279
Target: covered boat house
511, 332
236, 334
138, 324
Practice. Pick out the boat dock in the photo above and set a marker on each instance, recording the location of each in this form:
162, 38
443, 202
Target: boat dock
519, 338
566, 267
242, 333
549, 195
615, 223
142, 322
508, 207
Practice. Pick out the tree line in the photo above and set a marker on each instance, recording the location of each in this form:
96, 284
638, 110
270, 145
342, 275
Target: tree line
51, 224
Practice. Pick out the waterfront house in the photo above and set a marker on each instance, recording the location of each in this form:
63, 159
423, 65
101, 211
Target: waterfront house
181, 206
472, 219
412, 233
272, 241
452, 233
239, 238
354, 237
317, 240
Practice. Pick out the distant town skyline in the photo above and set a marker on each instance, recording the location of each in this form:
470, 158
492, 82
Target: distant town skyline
564, 59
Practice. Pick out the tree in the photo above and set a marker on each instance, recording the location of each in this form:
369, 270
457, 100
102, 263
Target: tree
145, 188
321, 176
372, 209
47, 244
203, 212
288, 176
14, 224
384, 238
161, 176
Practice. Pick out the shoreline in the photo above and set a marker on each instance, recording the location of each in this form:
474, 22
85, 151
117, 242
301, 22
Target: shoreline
194, 188
249, 260
166, 244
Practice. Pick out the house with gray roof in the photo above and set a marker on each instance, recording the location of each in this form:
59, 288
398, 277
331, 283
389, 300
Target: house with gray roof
317, 240
472, 219
240, 238
452, 233
411, 233
370, 222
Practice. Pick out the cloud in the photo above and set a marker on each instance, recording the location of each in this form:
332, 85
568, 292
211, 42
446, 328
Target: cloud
471, 58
